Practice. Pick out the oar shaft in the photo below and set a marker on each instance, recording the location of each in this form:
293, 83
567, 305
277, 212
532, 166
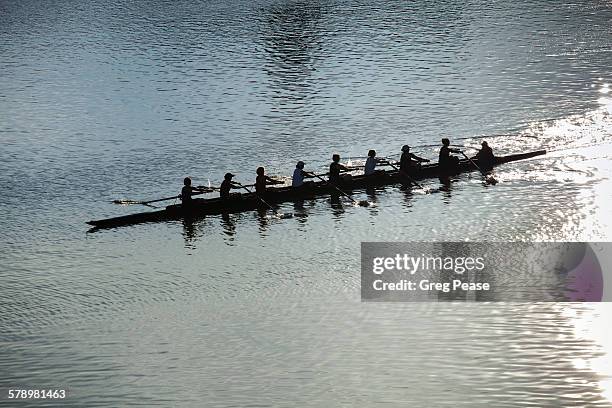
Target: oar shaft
259, 197
403, 173
174, 197
160, 199
334, 186
473, 162
488, 178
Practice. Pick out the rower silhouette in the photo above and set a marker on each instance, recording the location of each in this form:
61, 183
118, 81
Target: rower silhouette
299, 174
409, 162
485, 157
187, 191
262, 181
334, 170
227, 185
445, 159
370, 164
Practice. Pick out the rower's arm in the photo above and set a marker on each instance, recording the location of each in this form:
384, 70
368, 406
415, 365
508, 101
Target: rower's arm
417, 158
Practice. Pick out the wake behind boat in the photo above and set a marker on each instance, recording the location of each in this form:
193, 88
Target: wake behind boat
250, 201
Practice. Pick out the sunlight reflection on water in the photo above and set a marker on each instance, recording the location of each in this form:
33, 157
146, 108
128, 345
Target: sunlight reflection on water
592, 324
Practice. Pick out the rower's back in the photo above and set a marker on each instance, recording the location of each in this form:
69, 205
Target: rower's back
406, 160
186, 192
444, 158
444, 155
260, 184
224, 189
298, 175
334, 169
370, 165
260, 181
485, 156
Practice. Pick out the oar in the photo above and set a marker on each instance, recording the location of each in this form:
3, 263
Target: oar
403, 173
488, 178
130, 202
277, 213
363, 203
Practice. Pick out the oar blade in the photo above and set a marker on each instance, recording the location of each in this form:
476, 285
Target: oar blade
126, 202
491, 180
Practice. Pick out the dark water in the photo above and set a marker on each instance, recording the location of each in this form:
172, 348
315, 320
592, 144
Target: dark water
116, 99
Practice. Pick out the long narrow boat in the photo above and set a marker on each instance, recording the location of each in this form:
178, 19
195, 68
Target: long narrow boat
249, 201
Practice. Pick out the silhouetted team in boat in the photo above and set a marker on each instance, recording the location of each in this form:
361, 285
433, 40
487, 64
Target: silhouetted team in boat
409, 164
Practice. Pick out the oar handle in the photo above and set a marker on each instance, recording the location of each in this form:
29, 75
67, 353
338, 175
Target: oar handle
246, 187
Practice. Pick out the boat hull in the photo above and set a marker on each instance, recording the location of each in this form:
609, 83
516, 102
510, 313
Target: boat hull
246, 202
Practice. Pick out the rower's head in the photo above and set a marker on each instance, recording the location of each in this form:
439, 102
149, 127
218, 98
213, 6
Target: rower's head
187, 181
484, 144
300, 165
260, 171
228, 176
445, 141
372, 153
405, 148
336, 158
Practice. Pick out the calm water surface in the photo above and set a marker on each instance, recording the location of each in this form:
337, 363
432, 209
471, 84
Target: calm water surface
117, 99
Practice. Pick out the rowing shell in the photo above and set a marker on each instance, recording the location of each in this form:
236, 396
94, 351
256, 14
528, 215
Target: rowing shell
248, 202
